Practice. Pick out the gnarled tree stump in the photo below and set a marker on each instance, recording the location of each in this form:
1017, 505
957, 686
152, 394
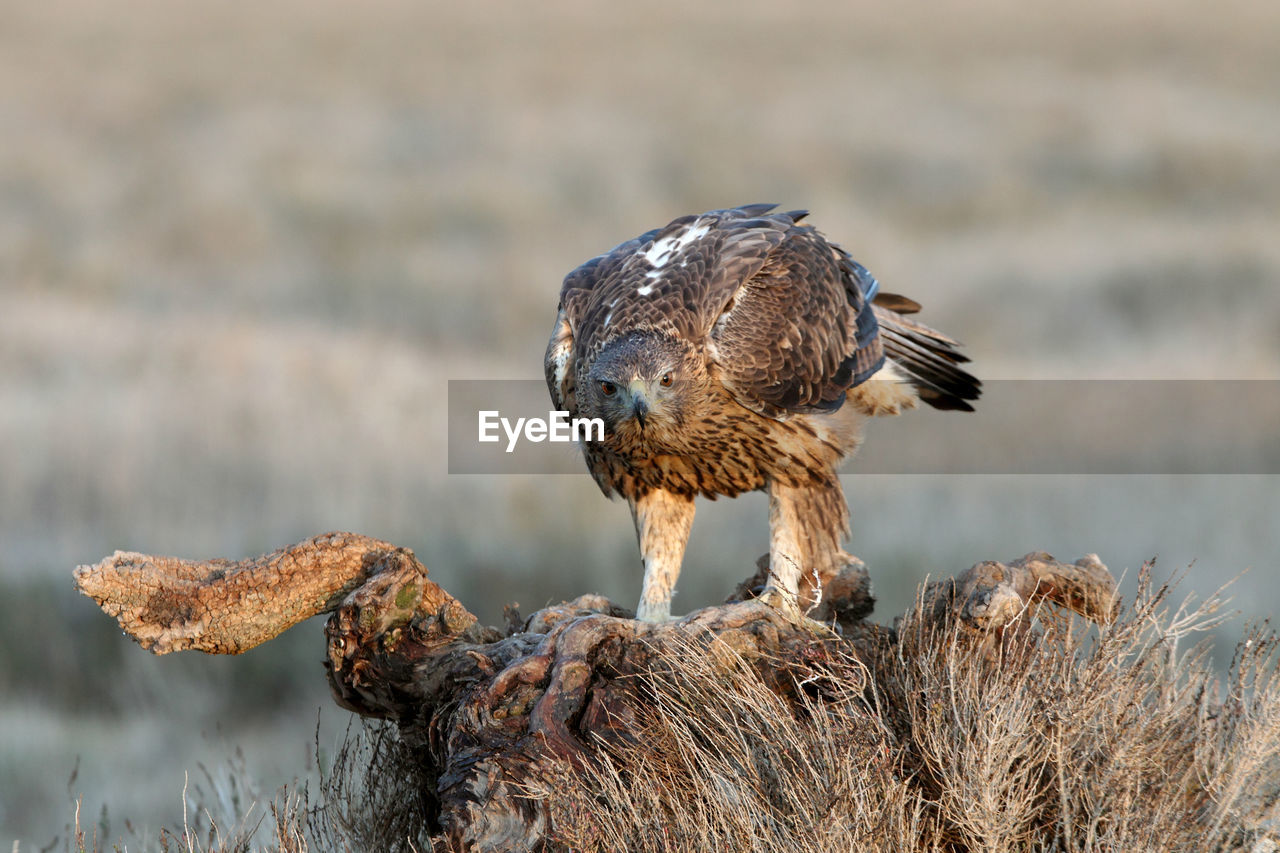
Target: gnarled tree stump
499, 714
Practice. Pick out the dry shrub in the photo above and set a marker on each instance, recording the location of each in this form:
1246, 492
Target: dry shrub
724, 762
220, 814
1070, 738
378, 794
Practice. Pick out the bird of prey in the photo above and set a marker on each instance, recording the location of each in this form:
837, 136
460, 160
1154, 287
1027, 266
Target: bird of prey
731, 351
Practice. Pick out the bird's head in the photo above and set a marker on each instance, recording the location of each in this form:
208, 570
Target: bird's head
640, 385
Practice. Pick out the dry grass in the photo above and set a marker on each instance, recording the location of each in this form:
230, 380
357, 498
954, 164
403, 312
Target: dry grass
1119, 740
373, 795
378, 795
727, 764
1083, 741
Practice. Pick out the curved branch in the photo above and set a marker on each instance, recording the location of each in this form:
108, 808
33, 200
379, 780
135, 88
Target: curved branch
992, 595
224, 606
991, 599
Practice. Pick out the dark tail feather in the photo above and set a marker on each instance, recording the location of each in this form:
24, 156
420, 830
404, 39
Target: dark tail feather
929, 359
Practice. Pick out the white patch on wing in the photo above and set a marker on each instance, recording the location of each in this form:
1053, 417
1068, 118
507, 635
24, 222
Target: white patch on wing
698, 229
607, 318
644, 291
560, 359
657, 273
660, 251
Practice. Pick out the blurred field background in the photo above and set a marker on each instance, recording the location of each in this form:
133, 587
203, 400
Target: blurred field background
243, 248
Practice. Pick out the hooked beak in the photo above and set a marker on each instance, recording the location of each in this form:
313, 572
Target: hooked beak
639, 402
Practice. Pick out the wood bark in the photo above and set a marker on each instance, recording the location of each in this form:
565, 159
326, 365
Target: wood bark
499, 713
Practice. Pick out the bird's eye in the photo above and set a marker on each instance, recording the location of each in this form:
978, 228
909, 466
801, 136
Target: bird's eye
608, 388
665, 381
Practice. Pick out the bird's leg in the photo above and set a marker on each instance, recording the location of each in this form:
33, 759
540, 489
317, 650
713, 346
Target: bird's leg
663, 520
806, 526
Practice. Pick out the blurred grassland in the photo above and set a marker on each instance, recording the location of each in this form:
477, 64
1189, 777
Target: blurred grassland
243, 250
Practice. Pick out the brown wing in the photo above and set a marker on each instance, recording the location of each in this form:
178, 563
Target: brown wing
785, 315
800, 332
673, 280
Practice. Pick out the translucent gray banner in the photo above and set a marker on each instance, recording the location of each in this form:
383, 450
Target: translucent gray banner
1020, 427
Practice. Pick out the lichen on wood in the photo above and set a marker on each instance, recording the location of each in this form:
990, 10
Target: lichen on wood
222, 606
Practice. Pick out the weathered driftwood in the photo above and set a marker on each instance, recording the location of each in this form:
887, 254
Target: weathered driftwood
992, 603
497, 714
223, 606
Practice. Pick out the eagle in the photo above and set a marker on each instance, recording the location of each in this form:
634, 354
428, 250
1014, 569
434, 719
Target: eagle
732, 351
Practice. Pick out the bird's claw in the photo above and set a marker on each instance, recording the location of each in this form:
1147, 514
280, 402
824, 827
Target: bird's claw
786, 604
782, 601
